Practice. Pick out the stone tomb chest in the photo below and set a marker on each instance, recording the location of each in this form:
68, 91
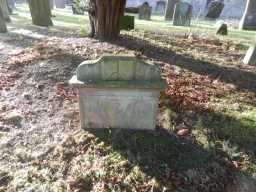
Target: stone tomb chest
118, 92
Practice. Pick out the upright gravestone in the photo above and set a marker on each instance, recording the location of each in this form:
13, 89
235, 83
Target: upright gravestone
169, 10
215, 9
5, 10
182, 14
160, 7
51, 4
248, 21
250, 57
3, 27
60, 4
118, 92
145, 11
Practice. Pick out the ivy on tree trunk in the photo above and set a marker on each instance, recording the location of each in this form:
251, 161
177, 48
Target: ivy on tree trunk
106, 17
40, 12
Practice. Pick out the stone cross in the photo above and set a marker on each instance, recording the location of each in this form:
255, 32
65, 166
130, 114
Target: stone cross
118, 92
182, 14
145, 11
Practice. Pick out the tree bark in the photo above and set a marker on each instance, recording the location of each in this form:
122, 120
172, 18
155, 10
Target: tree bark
5, 12
40, 12
169, 10
248, 21
3, 28
105, 19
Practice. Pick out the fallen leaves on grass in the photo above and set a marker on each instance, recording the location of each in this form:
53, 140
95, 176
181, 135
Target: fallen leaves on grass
65, 93
42, 51
7, 80
191, 91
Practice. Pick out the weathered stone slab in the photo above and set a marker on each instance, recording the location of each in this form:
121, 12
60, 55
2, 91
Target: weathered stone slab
118, 92
182, 14
215, 9
250, 57
118, 108
145, 11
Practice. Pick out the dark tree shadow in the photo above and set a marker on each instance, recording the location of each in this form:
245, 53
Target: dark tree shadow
160, 154
243, 80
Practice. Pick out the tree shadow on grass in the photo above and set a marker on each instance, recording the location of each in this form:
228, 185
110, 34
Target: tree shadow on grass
243, 80
169, 159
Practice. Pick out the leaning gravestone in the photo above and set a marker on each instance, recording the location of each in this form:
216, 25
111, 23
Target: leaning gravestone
169, 10
215, 9
118, 92
145, 11
182, 14
248, 21
250, 57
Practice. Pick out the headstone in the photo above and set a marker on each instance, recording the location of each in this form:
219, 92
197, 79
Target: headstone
3, 28
248, 21
160, 7
60, 4
145, 11
222, 28
182, 14
250, 57
127, 22
118, 92
215, 9
170, 9
51, 4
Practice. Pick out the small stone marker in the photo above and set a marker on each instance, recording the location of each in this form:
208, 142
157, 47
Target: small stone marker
215, 9
118, 92
222, 28
248, 21
250, 57
182, 14
145, 11
127, 22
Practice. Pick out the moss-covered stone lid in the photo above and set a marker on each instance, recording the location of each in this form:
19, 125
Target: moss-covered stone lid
123, 71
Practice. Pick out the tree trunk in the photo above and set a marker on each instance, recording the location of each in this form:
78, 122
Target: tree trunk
105, 19
40, 12
248, 21
169, 10
3, 28
5, 12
